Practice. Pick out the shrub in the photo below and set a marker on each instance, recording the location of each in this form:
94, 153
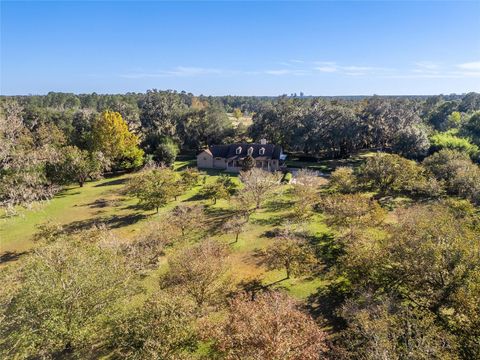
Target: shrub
343, 180
449, 141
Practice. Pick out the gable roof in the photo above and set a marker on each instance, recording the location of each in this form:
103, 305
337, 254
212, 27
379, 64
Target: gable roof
230, 151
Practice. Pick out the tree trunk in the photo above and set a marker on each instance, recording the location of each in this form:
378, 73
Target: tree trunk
236, 237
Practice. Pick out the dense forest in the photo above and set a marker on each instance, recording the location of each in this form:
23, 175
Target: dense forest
396, 262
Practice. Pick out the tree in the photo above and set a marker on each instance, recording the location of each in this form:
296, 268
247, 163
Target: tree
154, 187
111, 136
457, 171
471, 128
66, 289
389, 173
305, 190
222, 188
200, 272
77, 165
449, 141
343, 180
200, 128
145, 251
234, 225
411, 142
434, 253
260, 184
292, 254
162, 328
237, 113
188, 218
166, 152
190, 177
386, 329
160, 111
248, 163
270, 327
23, 178
351, 210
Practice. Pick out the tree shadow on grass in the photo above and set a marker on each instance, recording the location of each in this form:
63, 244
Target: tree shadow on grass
278, 205
270, 221
103, 203
216, 217
11, 256
113, 182
65, 193
113, 222
196, 197
325, 302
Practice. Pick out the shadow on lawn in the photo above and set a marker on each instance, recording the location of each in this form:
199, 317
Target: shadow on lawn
11, 256
217, 217
278, 205
273, 220
113, 222
113, 182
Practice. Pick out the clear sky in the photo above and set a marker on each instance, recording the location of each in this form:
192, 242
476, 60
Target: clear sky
241, 48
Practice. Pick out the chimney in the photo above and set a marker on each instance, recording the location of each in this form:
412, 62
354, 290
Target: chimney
263, 141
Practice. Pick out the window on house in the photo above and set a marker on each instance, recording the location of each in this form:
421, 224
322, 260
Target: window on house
262, 151
239, 150
250, 151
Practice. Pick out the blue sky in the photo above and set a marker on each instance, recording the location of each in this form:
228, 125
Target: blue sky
243, 48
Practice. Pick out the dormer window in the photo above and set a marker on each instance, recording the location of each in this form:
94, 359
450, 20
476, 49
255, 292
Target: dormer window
239, 150
250, 151
262, 151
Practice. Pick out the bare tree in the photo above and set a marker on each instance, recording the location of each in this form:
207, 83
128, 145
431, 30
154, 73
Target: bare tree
188, 218
234, 225
305, 189
260, 184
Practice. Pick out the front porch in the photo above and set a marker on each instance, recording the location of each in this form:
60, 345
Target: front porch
237, 164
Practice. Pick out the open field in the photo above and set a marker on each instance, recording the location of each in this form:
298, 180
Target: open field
101, 202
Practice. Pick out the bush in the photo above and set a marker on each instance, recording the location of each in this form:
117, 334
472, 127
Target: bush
460, 174
449, 141
343, 180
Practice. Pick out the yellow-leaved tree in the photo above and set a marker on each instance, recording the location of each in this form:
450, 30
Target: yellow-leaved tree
111, 136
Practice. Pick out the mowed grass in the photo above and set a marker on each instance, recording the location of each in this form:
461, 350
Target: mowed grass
101, 201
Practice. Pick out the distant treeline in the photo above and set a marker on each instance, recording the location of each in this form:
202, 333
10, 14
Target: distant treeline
321, 126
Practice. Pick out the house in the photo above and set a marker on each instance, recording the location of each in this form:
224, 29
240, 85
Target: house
230, 157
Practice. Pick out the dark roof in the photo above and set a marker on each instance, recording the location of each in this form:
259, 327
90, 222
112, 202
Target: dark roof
230, 151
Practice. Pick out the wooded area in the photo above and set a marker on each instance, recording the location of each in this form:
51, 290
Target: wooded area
377, 258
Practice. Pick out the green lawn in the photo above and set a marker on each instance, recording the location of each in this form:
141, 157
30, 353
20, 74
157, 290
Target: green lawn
101, 202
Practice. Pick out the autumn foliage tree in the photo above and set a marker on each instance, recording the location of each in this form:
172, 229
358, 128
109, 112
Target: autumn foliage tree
270, 327
200, 272
111, 136
292, 254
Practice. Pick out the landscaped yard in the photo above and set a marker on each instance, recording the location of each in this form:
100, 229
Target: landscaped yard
101, 201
